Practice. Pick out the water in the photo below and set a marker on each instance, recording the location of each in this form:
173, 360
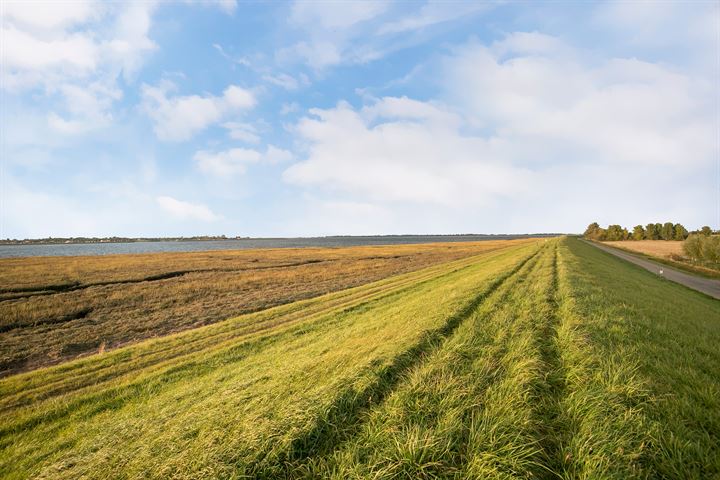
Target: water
63, 250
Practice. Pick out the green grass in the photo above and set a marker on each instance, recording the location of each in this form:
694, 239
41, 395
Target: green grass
549, 360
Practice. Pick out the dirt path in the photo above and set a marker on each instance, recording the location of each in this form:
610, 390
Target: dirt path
707, 286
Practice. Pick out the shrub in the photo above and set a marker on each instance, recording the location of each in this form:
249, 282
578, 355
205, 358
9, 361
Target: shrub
692, 247
711, 249
705, 248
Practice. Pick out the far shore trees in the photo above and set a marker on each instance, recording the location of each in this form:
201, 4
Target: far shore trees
652, 231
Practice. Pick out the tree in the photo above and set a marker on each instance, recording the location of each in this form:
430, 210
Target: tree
652, 232
707, 231
681, 232
693, 247
614, 233
711, 249
594, 232
638, 232
667, 232
591, 229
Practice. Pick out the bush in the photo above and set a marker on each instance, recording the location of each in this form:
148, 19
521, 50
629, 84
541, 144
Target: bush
711, 249
692, 247
703, 248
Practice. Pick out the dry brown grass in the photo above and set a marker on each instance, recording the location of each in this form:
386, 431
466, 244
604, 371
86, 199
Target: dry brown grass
669, 249
54, 309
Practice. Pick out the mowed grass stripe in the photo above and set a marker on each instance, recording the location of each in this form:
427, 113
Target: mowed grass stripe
344, 419
221, 410
26, 388
423, 429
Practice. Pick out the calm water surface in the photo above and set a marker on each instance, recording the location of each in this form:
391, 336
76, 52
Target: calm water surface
196, 246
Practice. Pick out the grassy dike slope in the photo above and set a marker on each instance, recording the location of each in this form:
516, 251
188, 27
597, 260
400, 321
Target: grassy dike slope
548, 360
244, 395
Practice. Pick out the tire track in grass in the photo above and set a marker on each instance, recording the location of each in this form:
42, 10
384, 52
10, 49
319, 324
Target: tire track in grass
553, 433
504, 439
438, 402
346, 415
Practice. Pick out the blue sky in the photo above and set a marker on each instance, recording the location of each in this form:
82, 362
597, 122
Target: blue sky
320, 118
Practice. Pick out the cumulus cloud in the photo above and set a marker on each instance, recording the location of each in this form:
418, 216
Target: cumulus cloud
186, 210
540, 95
178, 118
397, 150
62, 48
63, 42
527, 125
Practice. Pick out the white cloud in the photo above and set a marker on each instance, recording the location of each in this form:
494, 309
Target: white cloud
225, 163
286, 81
186, 210
234, 161
242, 131
433, 13
49, 15
619, 110
178, 118
408, 157
317, 54
330, 29
63, 42
238, 98
87, 108
240, 61
74, 53
63, 48
661, 24
530, 134
331, 14
274, 155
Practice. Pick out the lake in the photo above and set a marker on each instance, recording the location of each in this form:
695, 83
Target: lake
240, 244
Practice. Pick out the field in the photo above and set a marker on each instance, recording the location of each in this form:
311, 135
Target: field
657, 248
53, 309
542, 359
668, 252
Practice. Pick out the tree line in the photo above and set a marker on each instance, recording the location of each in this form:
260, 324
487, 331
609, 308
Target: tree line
651, 231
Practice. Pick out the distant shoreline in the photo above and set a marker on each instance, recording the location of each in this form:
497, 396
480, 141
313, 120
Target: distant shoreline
106, 240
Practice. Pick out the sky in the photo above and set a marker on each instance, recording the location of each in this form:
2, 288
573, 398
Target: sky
311, 118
